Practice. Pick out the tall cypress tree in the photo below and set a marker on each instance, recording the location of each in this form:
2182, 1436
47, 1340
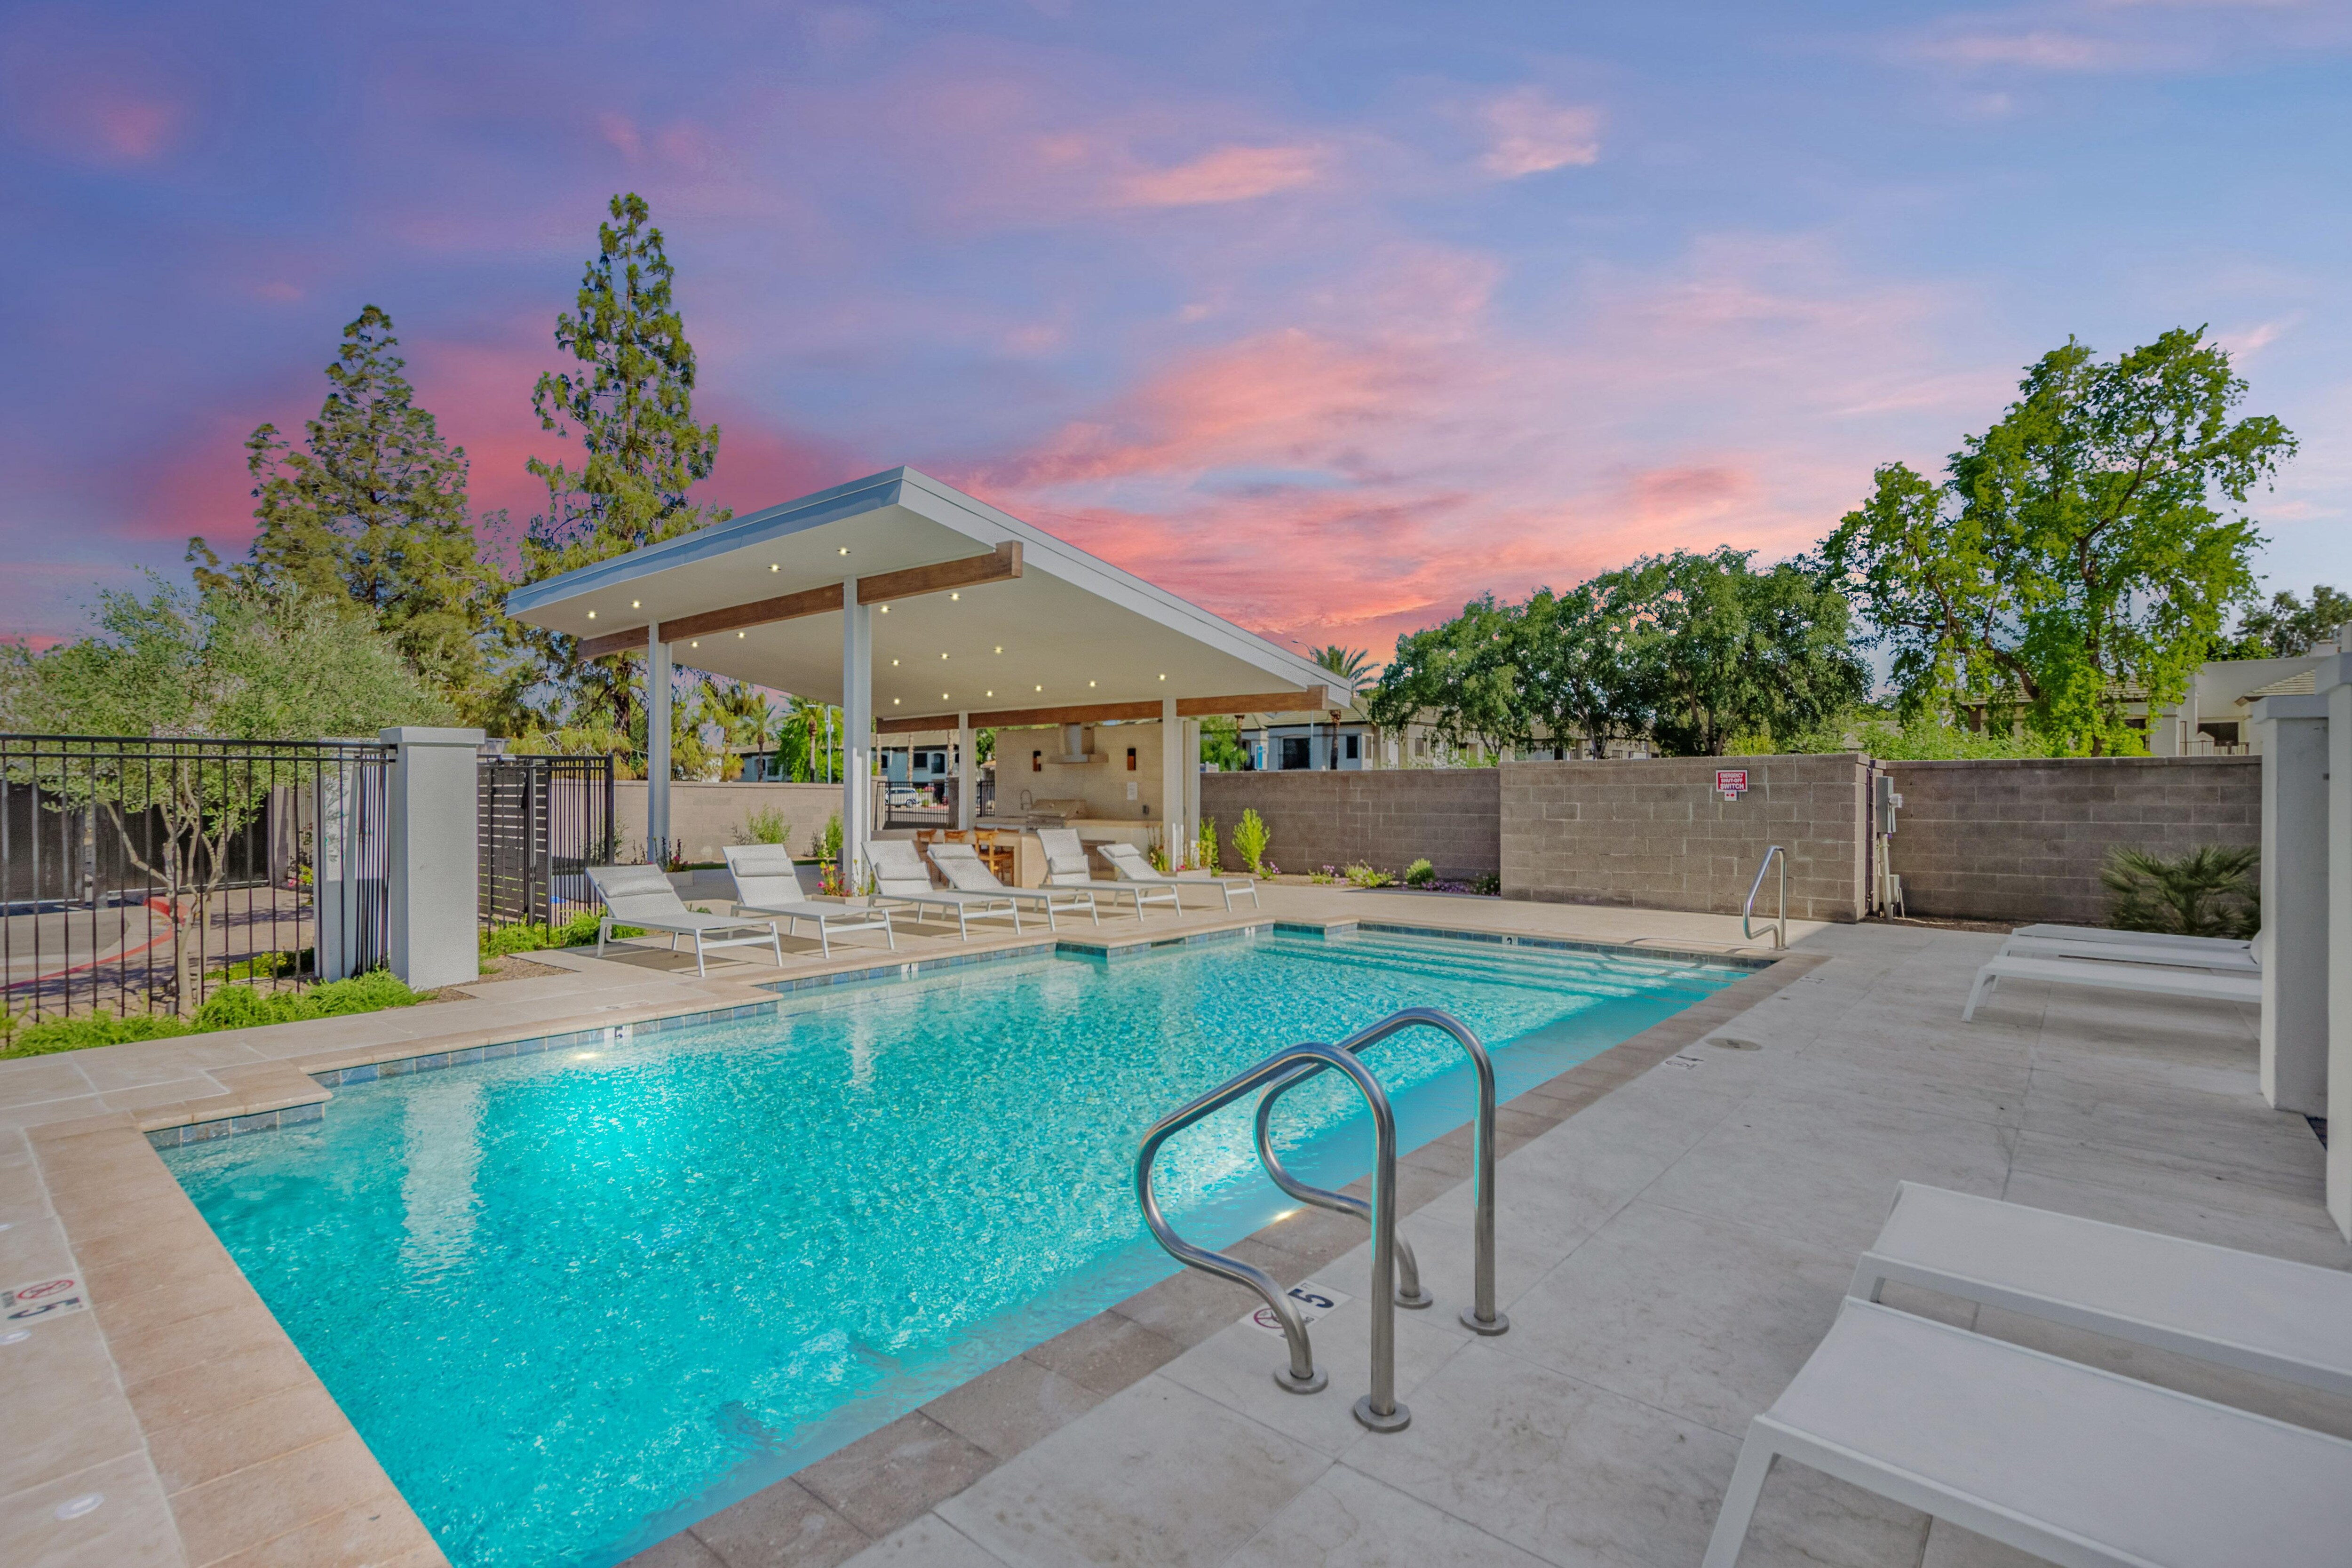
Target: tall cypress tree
629, 394
369, 511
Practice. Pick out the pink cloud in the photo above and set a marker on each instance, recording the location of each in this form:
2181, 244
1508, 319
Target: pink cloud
1532, 135
1226, 175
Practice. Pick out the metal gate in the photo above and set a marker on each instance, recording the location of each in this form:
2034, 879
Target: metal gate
543, 822
138, 874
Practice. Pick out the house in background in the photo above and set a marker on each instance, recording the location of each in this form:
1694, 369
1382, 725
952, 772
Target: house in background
2214, 718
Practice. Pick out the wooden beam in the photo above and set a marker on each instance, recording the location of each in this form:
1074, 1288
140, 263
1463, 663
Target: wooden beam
1000, 566
611, 642
758, 612
1312, 698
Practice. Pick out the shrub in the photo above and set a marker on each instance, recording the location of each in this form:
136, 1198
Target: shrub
1361, 875
1207, 851
243, 1007
530, 936
1250, 841
826, 846
1490, 883
2210, 891
764, 824
1420, 874
99, 1029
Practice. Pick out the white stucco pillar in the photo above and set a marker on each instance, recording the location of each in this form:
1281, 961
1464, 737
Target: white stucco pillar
856, 731
436, 849
966, 775
2292, 734
1192, 792
657, 697
2333, 682
1171, 782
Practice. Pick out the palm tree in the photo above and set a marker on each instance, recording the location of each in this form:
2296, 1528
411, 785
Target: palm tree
1349, 665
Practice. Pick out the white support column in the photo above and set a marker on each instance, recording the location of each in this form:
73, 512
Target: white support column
436, 848
1192, 790
2333, 682
2291, 733
1171, 784
657, 721
856, 731
966, 775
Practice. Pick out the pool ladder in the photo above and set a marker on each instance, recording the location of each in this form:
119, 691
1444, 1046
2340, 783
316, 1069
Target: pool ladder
1396, 1274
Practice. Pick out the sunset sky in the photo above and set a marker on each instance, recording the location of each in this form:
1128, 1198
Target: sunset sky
1326, 316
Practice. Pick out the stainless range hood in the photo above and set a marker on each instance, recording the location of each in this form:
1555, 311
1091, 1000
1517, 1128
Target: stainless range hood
1076, 742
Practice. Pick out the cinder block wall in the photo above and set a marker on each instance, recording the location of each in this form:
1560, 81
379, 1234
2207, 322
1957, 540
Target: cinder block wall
707, 817
2023, 840
1319, 818
1655, 834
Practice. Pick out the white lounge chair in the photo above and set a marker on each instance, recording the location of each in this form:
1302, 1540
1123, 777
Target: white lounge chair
2183, 983
961, 864
1129, 862
1066, 867
2072, 1464
767, 882
901, 877
2133, 938
642, 896
2229, 959
2283, 1320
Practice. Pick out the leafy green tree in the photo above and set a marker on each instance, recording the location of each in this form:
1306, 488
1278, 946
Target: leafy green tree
232, 663
2286, 626
1461, 679
1575, 680
369, 509
629, 394
2214, 889
1713, 649
2076, 550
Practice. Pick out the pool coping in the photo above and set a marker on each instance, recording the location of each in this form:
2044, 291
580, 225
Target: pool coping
258, 1462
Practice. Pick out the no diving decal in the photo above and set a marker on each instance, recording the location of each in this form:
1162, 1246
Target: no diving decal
1312, 1300
41, 1299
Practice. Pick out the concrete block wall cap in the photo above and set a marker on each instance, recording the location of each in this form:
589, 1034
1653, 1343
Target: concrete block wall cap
429, 735
2312, 705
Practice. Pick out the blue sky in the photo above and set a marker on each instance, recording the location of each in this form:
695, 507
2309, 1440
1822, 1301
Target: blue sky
1328, 316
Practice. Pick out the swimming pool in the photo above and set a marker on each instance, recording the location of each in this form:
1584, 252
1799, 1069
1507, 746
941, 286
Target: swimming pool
574, 1302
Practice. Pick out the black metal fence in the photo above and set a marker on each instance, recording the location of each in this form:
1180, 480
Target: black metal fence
543, 822
139, 875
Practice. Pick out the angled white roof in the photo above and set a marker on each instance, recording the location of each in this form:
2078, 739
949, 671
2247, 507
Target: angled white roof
1072, 629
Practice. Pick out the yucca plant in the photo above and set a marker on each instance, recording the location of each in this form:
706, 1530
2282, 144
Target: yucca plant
2211, 890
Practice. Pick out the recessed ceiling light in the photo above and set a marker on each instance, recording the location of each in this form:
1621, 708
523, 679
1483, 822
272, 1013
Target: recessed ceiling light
894, 702
844, 550
955, 596
592, 614
943, 655
992, 694
634, 604
739, 637
1163, 678
885, 609
1041, 689
1089, 683
943, 697
694, 645
999, 650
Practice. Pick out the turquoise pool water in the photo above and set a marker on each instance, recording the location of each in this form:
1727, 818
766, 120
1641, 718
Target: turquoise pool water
575, 1302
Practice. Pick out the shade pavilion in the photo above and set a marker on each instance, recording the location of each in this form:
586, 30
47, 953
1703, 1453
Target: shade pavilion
914, 606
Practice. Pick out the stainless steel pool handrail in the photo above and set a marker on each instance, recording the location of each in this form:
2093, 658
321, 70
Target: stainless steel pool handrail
1480, 1317
1378, 1409
1781, 932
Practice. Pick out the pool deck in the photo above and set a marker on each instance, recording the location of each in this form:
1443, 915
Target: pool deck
1677, 1224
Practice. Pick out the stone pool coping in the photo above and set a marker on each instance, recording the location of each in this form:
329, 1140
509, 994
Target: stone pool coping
178, 1362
